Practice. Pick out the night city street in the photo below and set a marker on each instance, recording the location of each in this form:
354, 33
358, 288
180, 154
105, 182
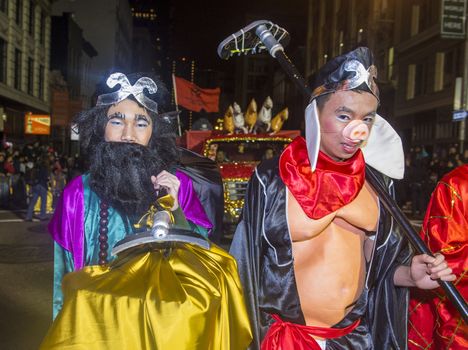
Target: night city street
206, 175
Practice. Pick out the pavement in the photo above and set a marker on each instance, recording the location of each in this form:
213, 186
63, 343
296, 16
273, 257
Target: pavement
26, 272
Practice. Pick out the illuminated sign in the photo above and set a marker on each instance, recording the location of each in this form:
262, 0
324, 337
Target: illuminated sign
459, 115
36, 124
453, 19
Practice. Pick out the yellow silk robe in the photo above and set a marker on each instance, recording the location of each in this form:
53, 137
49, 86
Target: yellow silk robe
184, 297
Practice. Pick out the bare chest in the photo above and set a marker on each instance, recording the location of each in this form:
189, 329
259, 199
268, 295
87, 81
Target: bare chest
330, 256
360, 215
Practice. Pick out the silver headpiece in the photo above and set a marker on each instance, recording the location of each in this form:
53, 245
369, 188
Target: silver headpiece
361, 76
127, 89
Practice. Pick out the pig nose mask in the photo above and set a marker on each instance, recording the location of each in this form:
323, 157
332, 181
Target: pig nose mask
356, 131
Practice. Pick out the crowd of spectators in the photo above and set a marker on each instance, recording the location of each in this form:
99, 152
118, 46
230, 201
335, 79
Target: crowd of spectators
422, 172
27, 171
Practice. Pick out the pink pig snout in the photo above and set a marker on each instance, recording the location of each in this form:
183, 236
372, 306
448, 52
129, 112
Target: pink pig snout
356, 131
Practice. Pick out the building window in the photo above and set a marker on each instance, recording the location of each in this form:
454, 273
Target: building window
30, 76
439, 71
390, 63
41, 82
429, 14
3, 60
17, 77
42, 29
383, 6
31, 19
417, 80
424, 132
451, 67
19, 12
420, 79
415, 20
446, 130
4, 6
411, 80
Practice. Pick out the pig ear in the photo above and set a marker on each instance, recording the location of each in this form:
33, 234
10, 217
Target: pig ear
384, 150
312, 127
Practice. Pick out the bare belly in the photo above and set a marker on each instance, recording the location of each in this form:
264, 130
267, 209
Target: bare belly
329, 257
330, 280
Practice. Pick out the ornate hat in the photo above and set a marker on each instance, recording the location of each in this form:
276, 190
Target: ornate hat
137, 90
355, 70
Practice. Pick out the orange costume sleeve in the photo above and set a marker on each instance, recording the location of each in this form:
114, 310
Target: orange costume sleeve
434, 324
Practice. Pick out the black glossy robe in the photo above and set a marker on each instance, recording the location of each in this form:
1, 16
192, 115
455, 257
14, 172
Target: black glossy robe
208, 185
263, 250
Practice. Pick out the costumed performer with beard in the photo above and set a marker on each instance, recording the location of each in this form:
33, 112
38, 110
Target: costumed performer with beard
434, 323
322, 263
181, 297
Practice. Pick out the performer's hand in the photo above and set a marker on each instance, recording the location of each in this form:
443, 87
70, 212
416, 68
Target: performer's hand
170, 182
425, 270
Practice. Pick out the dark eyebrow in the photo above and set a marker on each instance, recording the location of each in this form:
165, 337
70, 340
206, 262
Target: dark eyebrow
142, 117
116, 115
344, 109
350, 111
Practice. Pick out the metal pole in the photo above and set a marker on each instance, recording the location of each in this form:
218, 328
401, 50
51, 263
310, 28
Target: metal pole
176, 105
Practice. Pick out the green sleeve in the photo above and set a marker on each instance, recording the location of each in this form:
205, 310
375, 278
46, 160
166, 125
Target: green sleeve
181, 221
63, 263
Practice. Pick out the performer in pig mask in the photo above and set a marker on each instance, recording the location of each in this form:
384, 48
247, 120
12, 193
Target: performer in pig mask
322, 264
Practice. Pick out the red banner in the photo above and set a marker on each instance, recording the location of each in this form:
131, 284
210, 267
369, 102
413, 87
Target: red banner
194, 98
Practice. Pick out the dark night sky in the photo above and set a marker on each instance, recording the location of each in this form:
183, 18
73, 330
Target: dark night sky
199, 26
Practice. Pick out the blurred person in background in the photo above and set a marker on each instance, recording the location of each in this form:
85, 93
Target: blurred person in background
58, 182
39, 182
4, 183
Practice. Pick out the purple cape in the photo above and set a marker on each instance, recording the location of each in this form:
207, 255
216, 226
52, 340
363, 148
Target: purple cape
67, 224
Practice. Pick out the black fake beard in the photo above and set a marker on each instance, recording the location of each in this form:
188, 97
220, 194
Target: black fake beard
120, 174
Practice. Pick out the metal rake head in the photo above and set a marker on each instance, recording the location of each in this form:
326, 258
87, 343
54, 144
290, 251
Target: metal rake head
249, 41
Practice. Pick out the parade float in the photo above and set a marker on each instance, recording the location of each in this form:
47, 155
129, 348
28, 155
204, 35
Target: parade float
237, 144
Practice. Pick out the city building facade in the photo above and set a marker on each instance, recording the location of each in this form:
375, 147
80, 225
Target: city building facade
428, 65
152, 30
71, 92
107, 26
24, 65
418, 65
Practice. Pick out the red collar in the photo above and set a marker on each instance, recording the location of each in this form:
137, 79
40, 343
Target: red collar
331, 186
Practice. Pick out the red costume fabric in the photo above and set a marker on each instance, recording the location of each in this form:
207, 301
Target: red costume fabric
434, 324
338, 182
286, 335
